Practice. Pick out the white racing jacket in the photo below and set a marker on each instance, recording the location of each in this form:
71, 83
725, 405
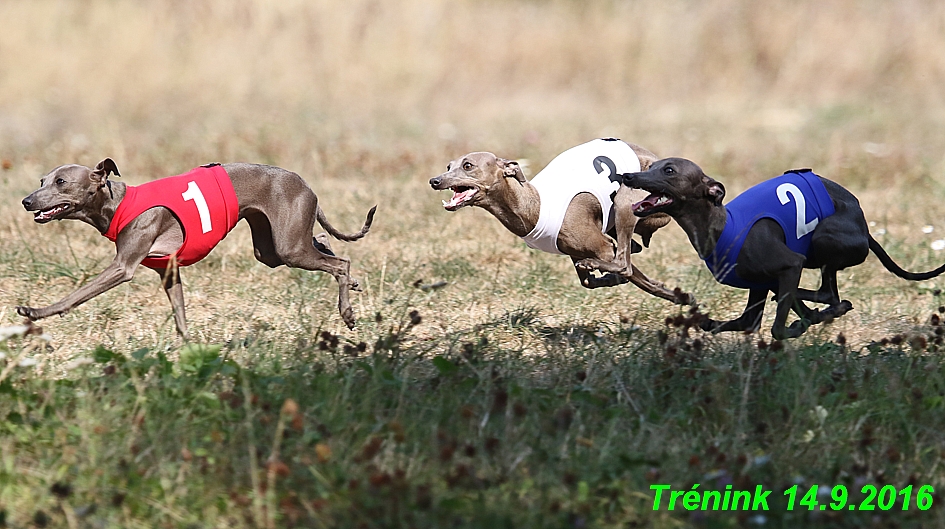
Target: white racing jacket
593, 167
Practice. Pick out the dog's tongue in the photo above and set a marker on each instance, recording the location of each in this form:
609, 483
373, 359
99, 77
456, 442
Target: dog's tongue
49, 213
458, 198
652, 201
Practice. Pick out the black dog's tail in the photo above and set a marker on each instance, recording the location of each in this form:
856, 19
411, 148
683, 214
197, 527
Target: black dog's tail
896, 269
320, 216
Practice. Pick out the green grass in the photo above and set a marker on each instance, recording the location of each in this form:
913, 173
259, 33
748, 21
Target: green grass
468, 430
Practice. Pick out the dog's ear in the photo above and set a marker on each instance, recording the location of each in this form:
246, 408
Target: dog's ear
104, 168
714, 190
511, 169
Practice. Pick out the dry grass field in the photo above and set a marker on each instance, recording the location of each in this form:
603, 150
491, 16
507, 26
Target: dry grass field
367, 100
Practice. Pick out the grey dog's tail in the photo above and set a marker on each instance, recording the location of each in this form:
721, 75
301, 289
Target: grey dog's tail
320, 215
896, 269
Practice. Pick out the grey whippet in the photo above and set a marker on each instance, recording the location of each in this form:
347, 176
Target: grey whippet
279, 206
838, 240
499, 186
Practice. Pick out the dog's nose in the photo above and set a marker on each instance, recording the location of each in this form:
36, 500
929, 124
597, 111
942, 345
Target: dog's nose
435, 181
628, 179
27, 202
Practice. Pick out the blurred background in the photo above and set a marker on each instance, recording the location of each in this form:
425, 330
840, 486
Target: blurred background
369, 99
852, 87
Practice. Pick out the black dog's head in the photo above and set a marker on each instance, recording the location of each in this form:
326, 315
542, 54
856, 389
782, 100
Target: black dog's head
674, 184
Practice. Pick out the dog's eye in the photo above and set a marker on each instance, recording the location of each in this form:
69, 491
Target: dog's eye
60, 181
467, 166
669, 170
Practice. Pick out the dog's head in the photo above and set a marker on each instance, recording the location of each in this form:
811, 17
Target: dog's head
68, 189
475, 176
674, 184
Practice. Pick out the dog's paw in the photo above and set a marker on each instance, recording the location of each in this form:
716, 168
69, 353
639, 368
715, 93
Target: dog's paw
355, 286
708, 324
348, 316
606, 280
683, 298
799, 327
585, 265
832, 312
794, 330
29, 312
843, 308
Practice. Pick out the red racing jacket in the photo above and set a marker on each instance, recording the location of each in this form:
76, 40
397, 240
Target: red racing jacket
202, 200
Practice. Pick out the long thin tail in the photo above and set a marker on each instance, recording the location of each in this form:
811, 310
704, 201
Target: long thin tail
896, 269
320, 215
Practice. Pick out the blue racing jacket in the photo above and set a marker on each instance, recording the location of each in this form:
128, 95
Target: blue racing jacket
797, 200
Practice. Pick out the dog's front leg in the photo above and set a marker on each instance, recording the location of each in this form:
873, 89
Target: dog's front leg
750, 319
658, 289
827, 294
170, 280
116, 273
133, 244
625, 222
787, 288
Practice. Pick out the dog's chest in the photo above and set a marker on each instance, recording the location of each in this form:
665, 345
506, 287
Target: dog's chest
594, 167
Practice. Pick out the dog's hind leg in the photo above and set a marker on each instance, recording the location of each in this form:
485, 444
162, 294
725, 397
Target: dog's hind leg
788, 279
807, 315
588, 280
840, 241
827, 294
170, 280
264, 249
305, 256
323, 244
294, 246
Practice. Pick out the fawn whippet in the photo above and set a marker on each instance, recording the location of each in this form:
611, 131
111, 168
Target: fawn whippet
576, 203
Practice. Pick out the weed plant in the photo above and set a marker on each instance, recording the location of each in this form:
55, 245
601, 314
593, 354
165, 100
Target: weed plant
468, 431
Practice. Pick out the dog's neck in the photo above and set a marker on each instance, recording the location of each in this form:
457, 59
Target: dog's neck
100, 210
703, 225
516, 205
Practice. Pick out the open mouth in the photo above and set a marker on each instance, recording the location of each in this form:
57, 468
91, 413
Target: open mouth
49, 214
461, 195
651, 204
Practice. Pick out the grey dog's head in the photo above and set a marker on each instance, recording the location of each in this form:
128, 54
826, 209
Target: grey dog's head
69, 189
475, 176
